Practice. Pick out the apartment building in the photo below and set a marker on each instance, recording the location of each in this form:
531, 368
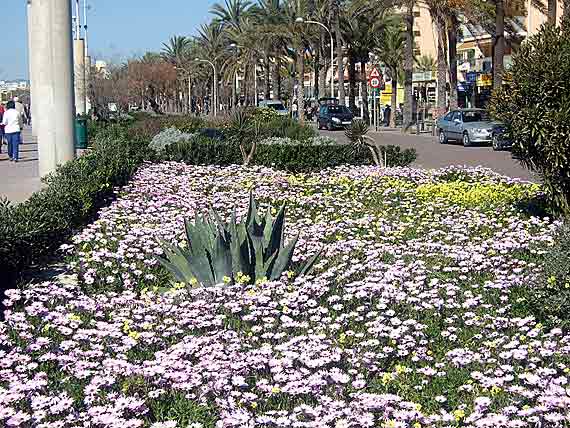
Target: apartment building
474, 53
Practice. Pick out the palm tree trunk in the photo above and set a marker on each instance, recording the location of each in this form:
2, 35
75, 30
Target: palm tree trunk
452, 40
366, 115
301, 83
552, 6
408, 69
565, 12
277, 79
339, 53
351, 82
441, 67
317, 62
499, 54
266, 75
394, 100
323, 70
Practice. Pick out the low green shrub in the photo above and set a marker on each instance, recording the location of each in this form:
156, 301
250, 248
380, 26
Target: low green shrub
33, 230
289, 157
547, 297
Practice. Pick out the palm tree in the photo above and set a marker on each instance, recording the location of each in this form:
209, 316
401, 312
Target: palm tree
176, 52
231, 13
425, 64
271, 18
363, 23
390, 50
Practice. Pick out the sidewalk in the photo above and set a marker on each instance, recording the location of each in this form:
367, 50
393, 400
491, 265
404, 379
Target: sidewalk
19, 180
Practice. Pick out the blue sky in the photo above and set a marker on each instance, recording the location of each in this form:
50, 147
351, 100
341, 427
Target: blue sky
118, 29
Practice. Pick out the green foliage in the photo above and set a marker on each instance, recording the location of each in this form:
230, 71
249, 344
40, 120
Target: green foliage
548, 296
218, 253
33, 230
264, 114
535, 105
289, 157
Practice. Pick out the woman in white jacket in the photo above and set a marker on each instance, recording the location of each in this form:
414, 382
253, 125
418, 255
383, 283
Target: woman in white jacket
13, 124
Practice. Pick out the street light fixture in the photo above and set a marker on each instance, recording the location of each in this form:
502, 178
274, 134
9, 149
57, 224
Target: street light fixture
215, 94
301, 20
236, 46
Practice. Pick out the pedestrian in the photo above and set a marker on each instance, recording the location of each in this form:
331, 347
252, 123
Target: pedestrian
13, 123
20, 108
295, 110
387, 115
2, 110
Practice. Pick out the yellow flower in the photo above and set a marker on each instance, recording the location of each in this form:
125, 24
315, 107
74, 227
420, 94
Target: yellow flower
254, 405
275, 390
193, 282
387, 378
459, 414
400, 369
495, 390
227, 279
74, 317
134, 335
417, 425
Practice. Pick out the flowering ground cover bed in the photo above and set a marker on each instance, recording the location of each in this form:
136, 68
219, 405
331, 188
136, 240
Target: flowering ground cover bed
412, 317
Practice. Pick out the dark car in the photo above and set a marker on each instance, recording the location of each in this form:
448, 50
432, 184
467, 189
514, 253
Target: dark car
500, 139
334, 117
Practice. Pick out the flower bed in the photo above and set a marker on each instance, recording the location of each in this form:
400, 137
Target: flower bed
406, 321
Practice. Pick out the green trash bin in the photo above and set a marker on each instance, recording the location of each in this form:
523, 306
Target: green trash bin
81, 138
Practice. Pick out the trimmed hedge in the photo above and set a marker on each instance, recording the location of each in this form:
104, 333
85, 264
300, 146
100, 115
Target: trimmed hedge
294, 157
33, 230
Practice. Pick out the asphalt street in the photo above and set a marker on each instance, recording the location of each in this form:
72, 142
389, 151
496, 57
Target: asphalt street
433, 155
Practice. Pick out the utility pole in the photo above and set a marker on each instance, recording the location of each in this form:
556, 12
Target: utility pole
52, 68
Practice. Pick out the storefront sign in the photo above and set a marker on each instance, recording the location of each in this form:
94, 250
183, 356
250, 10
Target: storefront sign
485, 80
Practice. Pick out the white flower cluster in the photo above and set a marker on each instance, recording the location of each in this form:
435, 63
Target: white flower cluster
167, 137
315, 141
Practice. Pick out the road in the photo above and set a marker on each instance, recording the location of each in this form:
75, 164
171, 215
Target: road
432, 155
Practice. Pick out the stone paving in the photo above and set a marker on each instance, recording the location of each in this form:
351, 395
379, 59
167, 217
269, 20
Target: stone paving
19, 180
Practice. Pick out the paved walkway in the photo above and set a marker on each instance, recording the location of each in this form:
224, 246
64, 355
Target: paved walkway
19, 180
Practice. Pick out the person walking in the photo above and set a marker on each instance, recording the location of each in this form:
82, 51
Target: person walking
2, 110
13, 123
20, 108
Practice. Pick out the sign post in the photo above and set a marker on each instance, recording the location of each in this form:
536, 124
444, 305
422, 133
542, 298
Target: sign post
375, 81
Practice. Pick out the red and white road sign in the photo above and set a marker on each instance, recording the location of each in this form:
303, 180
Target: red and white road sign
375, 78
375, 82
374, 73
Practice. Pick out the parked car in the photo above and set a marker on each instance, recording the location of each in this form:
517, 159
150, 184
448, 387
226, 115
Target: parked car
276, 105
334, 117
327, 101
469, 126
500, 141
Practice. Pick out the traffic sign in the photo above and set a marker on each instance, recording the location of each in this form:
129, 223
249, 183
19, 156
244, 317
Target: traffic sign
375, 82
374, 73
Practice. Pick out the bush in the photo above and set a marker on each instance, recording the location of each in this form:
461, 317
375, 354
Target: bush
167, 137
535, 105
290, 157
548, 296
33, 230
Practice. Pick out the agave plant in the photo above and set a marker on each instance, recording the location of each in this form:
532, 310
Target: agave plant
225, 253
356, 134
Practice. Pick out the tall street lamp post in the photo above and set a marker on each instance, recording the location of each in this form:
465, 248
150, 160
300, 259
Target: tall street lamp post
301, 20
235, 46
215, 94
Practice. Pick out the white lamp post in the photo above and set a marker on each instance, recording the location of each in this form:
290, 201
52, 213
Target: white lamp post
304, 21
215, 94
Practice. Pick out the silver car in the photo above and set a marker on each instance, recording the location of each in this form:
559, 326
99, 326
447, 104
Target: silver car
469, 126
